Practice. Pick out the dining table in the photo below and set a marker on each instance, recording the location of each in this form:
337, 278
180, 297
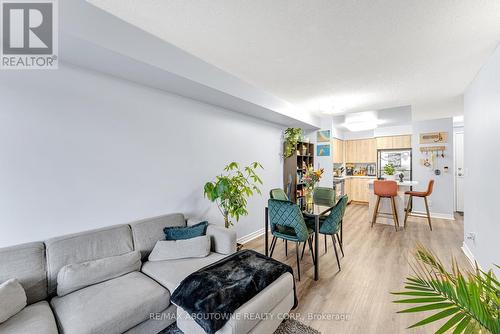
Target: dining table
312, 211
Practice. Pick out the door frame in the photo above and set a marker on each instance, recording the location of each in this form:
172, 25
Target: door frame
455, 176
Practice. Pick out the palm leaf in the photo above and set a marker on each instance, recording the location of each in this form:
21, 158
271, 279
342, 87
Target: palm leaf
437, 316
471, 301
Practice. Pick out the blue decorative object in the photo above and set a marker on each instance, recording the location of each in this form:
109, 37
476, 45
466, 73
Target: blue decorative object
182, 233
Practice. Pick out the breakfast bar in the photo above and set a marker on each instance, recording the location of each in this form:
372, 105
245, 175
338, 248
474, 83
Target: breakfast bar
385, 205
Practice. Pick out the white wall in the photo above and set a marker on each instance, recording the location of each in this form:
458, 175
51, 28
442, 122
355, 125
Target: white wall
482, 157
442, 199
453, 106
81, 150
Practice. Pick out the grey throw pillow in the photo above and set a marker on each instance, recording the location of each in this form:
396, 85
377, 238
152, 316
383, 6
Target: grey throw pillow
12, 299
180, 249
77, 276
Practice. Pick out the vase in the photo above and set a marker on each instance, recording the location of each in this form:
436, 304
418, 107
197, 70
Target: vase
309, 198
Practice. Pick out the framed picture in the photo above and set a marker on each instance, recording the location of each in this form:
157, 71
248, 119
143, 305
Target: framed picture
323, 136
323, 150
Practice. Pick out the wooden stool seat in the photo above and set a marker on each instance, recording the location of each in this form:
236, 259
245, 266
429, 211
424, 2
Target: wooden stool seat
421, 194
386, 189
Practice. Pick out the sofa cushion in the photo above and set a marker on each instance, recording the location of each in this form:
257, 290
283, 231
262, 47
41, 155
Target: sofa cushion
110, 307
33, 319
27, 263
180, 249
12, 299
170, 273
85, 246
147, 232
185, 232
76, 276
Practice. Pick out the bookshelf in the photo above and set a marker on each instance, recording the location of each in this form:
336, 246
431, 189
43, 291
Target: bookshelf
294, 168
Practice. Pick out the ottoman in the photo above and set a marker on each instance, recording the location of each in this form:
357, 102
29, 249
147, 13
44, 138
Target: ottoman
262, 314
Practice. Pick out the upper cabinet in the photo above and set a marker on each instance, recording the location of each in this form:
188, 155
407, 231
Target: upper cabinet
361, 151
393, 142
338, 151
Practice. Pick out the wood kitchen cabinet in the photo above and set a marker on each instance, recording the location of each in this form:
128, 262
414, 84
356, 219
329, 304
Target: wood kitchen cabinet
357, 189
393, 142
361, 151
338, 151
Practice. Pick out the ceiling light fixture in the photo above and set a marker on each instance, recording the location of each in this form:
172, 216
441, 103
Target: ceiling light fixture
362, 121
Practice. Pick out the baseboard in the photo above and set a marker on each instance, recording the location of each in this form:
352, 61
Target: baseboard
251, 236
436, 215
469, 255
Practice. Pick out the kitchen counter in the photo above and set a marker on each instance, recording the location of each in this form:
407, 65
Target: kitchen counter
354, 177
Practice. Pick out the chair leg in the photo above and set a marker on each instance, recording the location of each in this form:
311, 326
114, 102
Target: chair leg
273, 244
286, 247
309, 241
336, 253
375, 212
428, 213
303, 249
298, 261
407, 210
394, 214
340, 244
326, 246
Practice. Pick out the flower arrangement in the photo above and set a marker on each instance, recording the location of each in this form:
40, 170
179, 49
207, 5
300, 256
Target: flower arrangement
311, 177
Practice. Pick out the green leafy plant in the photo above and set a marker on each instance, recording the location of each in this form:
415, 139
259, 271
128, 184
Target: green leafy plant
389, 169
470, 300
232, 189
292, 137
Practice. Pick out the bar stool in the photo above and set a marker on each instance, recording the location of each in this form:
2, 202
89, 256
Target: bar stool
424, 195
386, 189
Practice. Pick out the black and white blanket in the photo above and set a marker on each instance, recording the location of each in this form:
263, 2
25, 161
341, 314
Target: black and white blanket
211, 294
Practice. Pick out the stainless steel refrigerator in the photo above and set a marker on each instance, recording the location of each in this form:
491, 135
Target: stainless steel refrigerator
401, 159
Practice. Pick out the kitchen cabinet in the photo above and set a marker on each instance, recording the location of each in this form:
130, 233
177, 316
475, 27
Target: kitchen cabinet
361, 151
393, 142
348, 188
338, 151
357, 189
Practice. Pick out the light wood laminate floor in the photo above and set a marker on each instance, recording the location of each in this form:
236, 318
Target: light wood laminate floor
375, 263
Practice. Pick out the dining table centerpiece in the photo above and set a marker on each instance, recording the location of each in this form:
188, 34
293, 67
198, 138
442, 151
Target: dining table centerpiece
310, 179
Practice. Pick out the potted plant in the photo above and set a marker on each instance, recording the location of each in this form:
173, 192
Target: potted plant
291, 137
470, 301
231, 190
389, 170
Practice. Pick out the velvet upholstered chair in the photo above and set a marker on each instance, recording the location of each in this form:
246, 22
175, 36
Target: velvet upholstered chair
325, 197
287, 223
278, 193
330, 225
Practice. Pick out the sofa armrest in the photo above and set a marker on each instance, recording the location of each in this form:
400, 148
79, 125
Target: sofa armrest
223, 239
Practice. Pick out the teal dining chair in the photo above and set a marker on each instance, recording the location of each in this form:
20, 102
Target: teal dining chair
331, 225
287, 223
325, 197
278, 193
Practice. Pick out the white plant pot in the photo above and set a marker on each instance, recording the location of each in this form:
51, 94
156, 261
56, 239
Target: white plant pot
390, 177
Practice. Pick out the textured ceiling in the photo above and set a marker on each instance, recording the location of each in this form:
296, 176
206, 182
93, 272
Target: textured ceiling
324, 54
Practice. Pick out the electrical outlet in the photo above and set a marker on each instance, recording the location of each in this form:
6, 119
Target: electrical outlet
471, 236
429, 201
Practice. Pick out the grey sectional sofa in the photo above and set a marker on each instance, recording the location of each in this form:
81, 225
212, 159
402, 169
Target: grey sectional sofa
124, 304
